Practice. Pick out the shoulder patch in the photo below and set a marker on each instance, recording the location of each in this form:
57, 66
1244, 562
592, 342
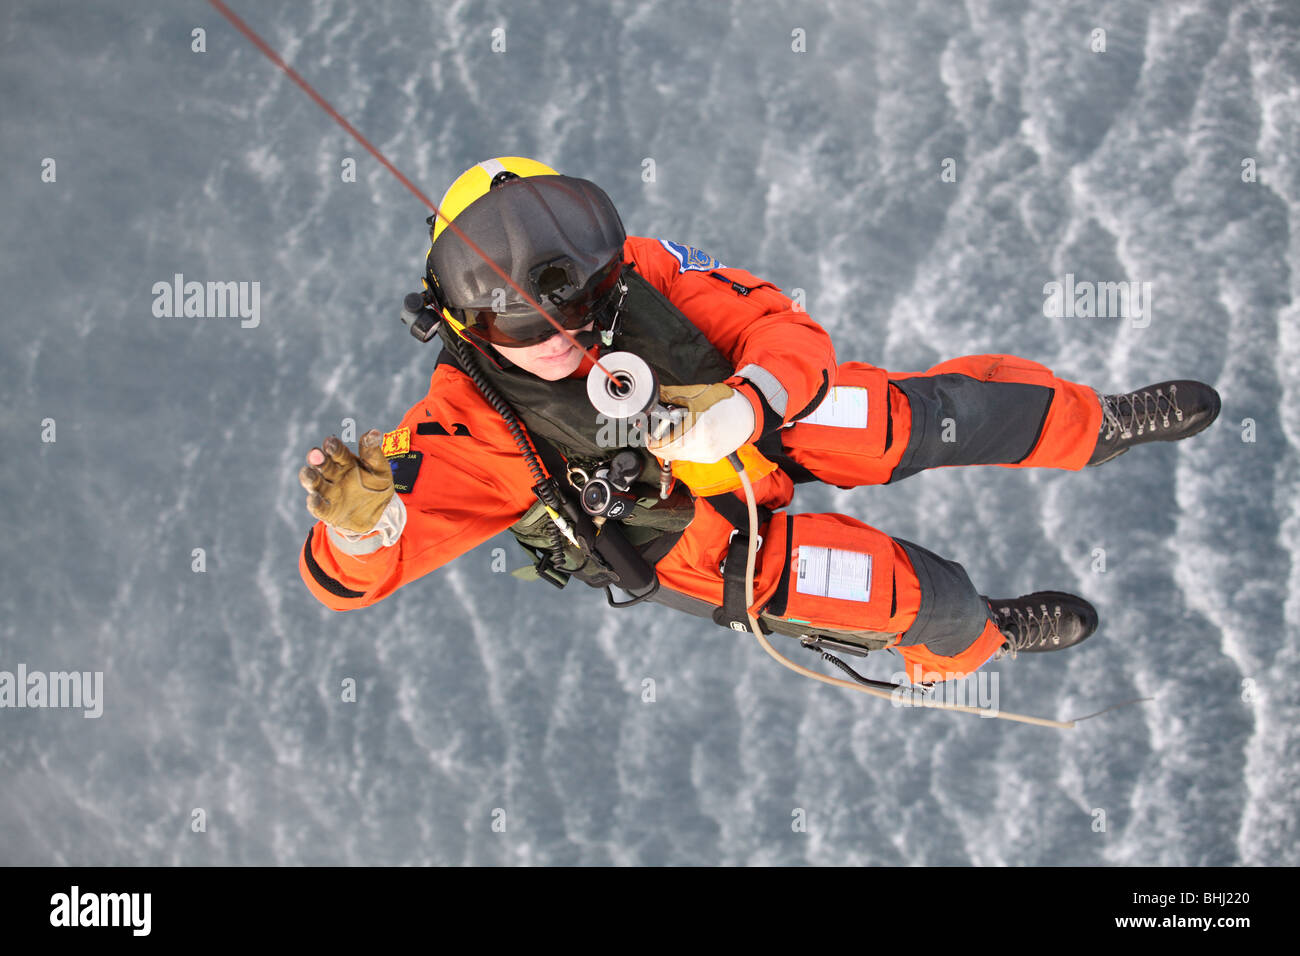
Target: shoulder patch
405, 470
690, 259
397, 442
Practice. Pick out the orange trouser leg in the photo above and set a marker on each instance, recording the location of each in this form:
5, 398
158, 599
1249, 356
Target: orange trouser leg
834, 573
903, 423
884, 426
1068, 431
923, 665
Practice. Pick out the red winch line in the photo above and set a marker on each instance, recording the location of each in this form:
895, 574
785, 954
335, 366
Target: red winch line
334, 114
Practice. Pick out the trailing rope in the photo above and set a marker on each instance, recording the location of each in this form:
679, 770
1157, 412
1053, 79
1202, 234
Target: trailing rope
781, 659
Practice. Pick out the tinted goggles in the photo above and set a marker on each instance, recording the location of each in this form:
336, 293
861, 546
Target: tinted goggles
527, 327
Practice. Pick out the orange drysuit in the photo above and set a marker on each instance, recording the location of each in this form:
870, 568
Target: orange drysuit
472, 483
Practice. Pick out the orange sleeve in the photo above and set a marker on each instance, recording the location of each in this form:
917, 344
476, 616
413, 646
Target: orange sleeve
471, 484
785, 362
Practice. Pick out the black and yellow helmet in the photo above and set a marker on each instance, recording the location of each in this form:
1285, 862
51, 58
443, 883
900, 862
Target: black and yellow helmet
559, 238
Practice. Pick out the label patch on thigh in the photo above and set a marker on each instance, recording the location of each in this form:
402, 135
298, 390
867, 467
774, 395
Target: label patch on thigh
834, 573
844, 407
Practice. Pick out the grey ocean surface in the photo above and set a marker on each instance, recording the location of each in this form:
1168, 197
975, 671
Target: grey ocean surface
478, 693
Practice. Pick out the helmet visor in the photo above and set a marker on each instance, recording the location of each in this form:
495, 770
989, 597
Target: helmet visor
524, 326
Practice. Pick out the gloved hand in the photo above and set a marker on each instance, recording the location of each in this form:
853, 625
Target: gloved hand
346, 491
718, 420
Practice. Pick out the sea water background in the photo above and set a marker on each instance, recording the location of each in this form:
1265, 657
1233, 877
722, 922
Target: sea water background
818, 170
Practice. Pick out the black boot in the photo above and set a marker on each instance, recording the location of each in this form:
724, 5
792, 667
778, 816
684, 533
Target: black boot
1168, 411
1042, 621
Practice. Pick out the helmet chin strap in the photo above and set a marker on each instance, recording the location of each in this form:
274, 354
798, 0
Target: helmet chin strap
587, 340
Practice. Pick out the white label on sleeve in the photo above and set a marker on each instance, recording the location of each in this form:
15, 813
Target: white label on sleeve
833, 573
844, 407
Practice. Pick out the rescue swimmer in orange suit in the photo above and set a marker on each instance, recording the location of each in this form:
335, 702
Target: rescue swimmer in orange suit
755, 375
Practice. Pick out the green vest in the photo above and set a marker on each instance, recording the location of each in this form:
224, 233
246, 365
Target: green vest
653, 328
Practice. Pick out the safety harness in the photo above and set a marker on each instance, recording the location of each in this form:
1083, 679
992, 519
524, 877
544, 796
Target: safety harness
562, 429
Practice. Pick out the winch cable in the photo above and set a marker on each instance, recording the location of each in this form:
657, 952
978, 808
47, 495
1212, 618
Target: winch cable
334, 114
913, 701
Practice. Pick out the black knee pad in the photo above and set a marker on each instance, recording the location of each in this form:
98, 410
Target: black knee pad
959, 420
952, 613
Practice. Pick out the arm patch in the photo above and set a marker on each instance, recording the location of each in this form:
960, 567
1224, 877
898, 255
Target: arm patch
690, 259
405, 470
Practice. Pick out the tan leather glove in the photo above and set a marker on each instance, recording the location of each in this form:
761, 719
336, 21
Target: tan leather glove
718, 420
346, 491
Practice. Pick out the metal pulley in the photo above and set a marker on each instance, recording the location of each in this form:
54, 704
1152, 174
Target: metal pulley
631, 389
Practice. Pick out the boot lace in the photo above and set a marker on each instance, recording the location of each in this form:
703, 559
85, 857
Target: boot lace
1025, 629
1140, 409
